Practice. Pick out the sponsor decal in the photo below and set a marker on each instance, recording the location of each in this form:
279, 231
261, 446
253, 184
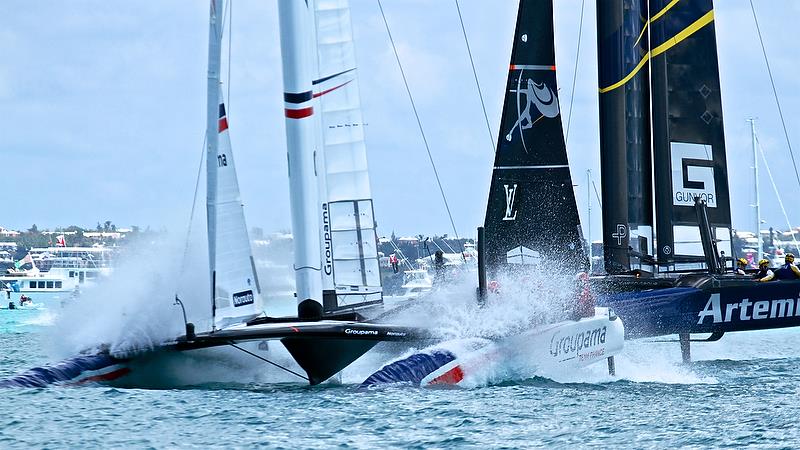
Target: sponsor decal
571, 346
622, 233
523, 255
511, 193
538, 95
326, 238
243, 298
361, 332
396, 333
692, 174
745, 310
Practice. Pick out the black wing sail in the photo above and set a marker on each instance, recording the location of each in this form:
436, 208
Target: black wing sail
688, 139
623, 74
531, 216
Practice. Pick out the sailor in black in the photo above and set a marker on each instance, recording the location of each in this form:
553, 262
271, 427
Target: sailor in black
438, 267
741, 264
763, 270
788, 271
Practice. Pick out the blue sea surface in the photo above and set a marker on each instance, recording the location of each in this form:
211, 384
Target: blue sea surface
741, 391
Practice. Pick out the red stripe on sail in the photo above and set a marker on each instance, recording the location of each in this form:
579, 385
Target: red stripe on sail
299, 113
320, 94
515, 67
223, 124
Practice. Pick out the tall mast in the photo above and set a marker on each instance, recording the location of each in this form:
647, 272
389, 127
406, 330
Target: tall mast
212, 135
297, 54
756, 196
589, 215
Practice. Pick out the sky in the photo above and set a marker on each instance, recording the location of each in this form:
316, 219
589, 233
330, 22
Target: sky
104, 109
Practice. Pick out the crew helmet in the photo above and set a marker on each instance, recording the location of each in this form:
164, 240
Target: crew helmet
789, 257
763, 262
742, 262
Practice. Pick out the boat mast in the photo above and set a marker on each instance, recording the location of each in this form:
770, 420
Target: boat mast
589, 215
757, 204
297, 55
212, 136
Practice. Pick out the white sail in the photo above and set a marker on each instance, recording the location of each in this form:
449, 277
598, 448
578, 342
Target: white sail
237, 294
235, 289
353, 239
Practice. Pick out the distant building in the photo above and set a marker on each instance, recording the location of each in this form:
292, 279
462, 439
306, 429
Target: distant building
8, 233
103, 234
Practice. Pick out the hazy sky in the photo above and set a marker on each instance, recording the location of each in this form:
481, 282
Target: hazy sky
104, 108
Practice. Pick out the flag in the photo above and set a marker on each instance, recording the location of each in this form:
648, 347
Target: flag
60, 241
23, 261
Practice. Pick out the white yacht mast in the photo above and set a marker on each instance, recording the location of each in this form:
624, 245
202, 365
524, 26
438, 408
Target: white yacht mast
757, 197
297, 52
212, 136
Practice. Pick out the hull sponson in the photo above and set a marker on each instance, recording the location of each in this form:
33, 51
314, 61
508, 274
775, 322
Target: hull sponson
708, 305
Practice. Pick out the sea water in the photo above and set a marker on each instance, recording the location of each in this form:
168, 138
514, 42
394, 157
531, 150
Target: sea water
740, 391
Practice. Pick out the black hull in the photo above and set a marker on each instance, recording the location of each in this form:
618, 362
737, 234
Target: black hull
699, 304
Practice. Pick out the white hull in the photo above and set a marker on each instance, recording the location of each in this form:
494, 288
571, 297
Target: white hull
546, 349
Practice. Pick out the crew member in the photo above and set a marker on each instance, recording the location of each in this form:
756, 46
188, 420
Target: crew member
438, 267
393, 261
584, 303
763, 270
741, 264
788, 271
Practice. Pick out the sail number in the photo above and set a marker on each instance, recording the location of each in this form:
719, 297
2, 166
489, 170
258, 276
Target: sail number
222, 160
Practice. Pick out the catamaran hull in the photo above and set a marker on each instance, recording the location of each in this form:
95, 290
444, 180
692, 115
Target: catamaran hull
543, 350
708, 305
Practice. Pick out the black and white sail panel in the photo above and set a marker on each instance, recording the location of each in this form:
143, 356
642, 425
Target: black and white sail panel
688, 138
623, 75
531, 217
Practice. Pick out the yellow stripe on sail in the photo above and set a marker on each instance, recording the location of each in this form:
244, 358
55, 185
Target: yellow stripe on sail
669, 43
654, 18
628, 76
685, 33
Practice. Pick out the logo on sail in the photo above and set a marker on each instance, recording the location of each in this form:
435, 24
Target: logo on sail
536, 94
511, 193
243, 298
523, 255
692, 174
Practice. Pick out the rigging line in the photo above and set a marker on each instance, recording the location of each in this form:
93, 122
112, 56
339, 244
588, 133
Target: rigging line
419, 122
268, 361
596, 194
775, 188
230, 40
575, 73
404, 258
191, 214
775, 92
475, 74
